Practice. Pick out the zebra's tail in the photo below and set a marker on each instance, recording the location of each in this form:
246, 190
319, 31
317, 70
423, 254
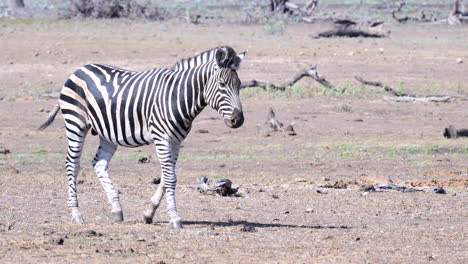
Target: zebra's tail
51, 118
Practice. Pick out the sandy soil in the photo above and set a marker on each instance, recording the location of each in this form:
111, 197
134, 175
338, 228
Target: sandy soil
353, 139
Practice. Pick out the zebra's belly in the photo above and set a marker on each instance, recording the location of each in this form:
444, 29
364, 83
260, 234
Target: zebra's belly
125, 138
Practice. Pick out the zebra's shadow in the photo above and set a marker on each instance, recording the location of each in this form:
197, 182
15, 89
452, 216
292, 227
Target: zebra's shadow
260, 225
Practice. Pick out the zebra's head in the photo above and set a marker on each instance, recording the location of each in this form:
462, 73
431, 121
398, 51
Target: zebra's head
224, 85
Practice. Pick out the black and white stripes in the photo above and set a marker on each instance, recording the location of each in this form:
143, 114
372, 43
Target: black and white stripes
131, 109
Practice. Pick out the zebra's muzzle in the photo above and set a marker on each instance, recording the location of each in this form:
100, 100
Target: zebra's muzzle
236, 120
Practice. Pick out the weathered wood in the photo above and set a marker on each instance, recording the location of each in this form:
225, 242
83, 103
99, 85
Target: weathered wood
379, 84
458, 14
275, 125
350, 28
223, 187
390, 185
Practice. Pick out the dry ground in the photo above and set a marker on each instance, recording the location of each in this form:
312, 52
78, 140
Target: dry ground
355, 138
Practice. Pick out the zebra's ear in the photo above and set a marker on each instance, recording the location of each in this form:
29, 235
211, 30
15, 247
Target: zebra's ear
242, 55
220, 56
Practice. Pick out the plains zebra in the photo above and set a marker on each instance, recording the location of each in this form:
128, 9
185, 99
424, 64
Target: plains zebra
131, 109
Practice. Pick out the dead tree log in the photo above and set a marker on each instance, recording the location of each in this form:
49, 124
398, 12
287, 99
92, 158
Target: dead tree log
310, 71
349, 28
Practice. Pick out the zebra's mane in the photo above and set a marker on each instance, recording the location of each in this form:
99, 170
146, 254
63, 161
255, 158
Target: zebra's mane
229, 59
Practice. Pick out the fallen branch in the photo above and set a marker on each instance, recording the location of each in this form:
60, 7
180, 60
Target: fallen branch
436, 99
403, 97
379, 84
275, 125
349, 28
391, 186
310, 71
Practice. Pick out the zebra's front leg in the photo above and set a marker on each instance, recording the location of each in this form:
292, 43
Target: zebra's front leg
167, 153
101, 165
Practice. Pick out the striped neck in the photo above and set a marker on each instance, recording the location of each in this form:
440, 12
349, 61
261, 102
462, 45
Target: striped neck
197, 60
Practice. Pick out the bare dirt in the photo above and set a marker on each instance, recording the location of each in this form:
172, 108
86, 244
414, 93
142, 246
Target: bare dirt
284, 216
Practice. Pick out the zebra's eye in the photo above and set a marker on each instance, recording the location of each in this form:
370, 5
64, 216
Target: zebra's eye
222, 84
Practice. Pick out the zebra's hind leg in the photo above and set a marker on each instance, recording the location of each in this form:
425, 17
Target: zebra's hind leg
101, 166
155, 202
76, 136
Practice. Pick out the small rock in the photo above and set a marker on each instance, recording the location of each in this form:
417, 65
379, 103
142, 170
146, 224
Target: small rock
358, 120
340, 185
357, 239
202, 131
367, 188
145, 159
300, 180
287, 212
248, 228
156, 181
4, 151
440, 190
58, 240
325, 179
459, 60
290, 130
274, 196
309, 210
86, 233
321, 192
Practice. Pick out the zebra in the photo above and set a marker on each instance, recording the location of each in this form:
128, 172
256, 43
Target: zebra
131, 109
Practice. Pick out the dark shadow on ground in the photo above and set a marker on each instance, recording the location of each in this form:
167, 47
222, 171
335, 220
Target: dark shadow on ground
261, 225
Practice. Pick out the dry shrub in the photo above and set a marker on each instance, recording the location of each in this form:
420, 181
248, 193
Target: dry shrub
116, 9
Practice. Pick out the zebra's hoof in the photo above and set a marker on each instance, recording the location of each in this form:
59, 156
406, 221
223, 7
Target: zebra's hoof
175, 223
118, 216
147, 219
77, 219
